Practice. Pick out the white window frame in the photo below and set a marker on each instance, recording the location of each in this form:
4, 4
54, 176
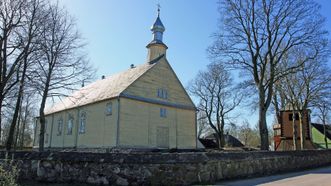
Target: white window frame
109, 109
46, 138
70, 125
59, 126
82, 123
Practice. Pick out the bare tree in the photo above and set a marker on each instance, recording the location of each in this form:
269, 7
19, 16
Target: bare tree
11, 20
307, 88
245, 132
28, 33
62, 64
255, 36
203, 126
214, 88
27, 120
248, 135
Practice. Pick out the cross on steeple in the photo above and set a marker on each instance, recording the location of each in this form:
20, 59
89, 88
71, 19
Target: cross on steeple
156, 47
158, 9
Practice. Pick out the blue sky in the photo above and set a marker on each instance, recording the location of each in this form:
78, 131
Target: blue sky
117, 32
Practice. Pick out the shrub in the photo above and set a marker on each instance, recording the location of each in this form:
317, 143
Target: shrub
8, 174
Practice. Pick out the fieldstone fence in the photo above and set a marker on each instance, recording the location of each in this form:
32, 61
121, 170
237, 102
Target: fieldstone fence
156, 168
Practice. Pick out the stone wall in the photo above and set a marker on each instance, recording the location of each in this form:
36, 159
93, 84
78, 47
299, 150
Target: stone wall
155, 168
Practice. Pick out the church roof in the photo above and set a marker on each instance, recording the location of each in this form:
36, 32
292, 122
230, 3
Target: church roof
103, 89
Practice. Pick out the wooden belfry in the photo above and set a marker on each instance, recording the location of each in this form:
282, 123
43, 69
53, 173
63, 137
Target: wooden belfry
287, 133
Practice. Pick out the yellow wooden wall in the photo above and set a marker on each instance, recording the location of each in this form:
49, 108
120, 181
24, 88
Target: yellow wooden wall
180, 122
139, 122
186, 128
100, 130
160, 76
155, 51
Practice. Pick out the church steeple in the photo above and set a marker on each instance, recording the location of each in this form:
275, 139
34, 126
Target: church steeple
156, 47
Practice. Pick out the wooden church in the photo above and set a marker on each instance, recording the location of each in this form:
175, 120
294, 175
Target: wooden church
143, 107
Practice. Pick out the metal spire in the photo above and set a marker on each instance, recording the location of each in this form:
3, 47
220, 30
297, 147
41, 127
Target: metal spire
158, 9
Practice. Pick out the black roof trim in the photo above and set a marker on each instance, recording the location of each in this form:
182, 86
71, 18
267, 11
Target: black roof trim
156, 59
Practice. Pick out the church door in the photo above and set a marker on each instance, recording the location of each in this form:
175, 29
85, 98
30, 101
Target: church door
162, 137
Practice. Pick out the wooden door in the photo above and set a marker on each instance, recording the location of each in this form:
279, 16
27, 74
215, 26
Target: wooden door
162, 137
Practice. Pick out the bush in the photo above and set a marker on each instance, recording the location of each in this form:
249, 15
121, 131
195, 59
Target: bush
8, 174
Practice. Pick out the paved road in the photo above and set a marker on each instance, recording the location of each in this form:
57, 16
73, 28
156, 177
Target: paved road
315, 177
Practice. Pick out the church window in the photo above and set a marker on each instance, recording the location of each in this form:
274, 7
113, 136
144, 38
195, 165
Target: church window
45, 125
109, 109
165, 94
70, 125
159, 93
82, 123
46, 139
163, 112
162, 93
59, 126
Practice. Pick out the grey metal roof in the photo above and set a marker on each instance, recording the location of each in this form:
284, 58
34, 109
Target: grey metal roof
102, 89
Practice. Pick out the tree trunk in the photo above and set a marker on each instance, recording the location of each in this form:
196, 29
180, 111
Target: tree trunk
325, 138
10, 138
263, 125
216, 136
294, 131
221, 139
24, 123
302, 132
42, 125
277, 110
18, 127
222, 131
2, 141
42, 117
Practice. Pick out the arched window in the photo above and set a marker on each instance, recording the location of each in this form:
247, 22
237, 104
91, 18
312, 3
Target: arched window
46, 125
59, 127
109, 109
70, 124
82, 123
46, 138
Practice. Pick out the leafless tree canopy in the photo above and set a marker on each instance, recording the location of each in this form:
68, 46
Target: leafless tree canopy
41, 52
214, 88
256, 36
